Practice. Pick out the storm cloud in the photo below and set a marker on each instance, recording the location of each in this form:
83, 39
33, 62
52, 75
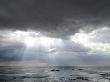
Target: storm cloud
55, 17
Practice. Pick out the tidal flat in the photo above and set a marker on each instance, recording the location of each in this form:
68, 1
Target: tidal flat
54, 74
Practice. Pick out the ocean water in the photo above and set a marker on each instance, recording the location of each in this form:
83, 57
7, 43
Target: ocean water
53, 74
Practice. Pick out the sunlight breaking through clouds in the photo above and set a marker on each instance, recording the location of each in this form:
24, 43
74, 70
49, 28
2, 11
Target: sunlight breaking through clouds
94, 40
30, 38
36, 45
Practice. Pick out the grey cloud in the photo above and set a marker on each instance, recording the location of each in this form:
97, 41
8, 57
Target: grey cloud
58, 18
71, 46
11, 52
81, 58
101, 35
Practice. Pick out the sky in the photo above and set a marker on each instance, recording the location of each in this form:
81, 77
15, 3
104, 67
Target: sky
56, 32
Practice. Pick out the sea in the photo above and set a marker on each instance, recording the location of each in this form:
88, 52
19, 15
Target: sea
54, 74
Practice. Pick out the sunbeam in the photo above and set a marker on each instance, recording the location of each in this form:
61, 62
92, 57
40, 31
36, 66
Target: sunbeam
36, 43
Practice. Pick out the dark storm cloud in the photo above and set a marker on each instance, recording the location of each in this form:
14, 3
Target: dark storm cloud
55, 16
